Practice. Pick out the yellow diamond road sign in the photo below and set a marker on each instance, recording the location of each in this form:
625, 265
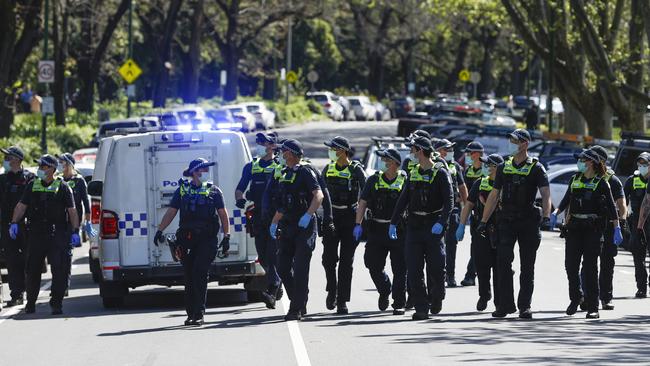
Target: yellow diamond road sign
292, 77
464, 75
130, 71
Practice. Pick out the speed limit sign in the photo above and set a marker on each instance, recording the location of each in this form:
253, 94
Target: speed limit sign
46, 72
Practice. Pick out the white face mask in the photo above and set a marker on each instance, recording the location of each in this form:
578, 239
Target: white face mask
332, 155
59, 168
281, 159
41, 174
449, 157
204, 177
643, 169
513, 148
469, 160
6, 165
260, 150
382, 166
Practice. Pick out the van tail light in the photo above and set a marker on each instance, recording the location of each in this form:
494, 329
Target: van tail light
95, 211
407, 108
327, 105
108, 225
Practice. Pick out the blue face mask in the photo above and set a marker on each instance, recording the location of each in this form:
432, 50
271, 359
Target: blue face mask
381, 165
485, 170
513, 148
6, 165
582, 166
643, 169
41, 174
412, 157
332, 155
260, 150
469, 160
282, 160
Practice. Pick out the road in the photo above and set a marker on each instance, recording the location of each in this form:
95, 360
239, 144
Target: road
147, 331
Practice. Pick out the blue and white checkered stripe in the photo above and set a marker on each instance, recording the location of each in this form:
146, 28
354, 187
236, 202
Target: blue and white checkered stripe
238, 220
133, 224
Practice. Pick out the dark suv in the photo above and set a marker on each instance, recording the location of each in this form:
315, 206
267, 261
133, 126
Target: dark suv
631, 146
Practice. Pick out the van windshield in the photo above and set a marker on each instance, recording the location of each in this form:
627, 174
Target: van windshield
108, 127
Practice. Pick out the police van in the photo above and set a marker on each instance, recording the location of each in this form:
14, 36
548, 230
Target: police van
140, 174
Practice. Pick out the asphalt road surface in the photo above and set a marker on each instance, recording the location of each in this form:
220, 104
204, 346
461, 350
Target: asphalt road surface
148, 331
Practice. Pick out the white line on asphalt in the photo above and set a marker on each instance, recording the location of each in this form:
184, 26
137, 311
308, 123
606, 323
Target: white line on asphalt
17, 309
298, 343
625, 272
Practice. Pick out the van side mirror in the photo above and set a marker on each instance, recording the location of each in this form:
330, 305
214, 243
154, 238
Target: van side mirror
95, 188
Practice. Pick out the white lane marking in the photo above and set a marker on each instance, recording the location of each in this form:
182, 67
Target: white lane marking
625, 272
17, 309
298, 343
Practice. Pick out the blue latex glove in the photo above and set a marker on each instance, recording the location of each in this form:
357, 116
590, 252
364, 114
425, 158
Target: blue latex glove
88, 228
13, 231
618, 236
358, 230
75, 240
437, 229
273, 230
460, 232
553, 221
304, 221
392, 232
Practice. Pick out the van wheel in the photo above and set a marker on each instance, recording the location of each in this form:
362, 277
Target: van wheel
95, 270
112, 302
254, 296
254, 288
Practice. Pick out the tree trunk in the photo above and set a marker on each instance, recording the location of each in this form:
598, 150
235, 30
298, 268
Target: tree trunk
633, 119
58, 92
574, 122
86, 95
376, 74
459, 64
231, 63
162, 81
599, 120
487, 80
192, 92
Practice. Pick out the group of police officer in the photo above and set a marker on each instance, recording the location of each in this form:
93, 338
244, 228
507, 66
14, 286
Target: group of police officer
41, 216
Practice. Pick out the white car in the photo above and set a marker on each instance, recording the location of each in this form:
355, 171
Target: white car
559, 180
363, 109
242, 115
188, 113
328, 101
264, 117
85, 156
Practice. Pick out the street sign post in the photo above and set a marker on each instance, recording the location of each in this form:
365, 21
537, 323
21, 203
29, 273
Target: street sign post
475, 78
312, 77
46, 72
130, 71
47, 106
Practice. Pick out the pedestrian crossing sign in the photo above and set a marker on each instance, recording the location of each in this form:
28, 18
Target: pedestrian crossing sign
130, 71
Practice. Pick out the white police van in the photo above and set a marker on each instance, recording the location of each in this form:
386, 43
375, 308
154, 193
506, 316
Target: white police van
140, 174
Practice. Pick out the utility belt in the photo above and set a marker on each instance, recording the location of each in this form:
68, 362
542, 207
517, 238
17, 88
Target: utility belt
513, 213
419, 219
585, 222
345, 207
45, 227
189, 237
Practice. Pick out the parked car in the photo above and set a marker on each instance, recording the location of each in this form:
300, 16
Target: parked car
559, 181
401, 106
371, 160
85, 156
328, 100
382, 113
264, 117
243, 116
348, 111
224, 119
185, 114
632, 144
363, 109
108, 127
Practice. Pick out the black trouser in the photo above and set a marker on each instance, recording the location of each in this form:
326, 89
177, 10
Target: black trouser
583, 242
451, 244
295, 247
344, 221
199, 254
607, 263
378, 247
639, 252
55, 245
485, 257
266, 250
424, 248
525, 231
14, 251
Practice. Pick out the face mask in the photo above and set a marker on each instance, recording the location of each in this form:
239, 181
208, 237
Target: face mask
485, 170
449, 157
469, 160
41, 174
282, 160
260, 150
59, 168
643, 169
382, 166
6, 165
332, 155
204, 177
412, 157
582, 166
513, 148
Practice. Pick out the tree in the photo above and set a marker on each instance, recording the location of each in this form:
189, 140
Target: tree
20, 31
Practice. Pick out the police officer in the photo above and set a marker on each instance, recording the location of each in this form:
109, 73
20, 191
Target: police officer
294, 225
515, 187
344, 179
483, 249
48, 205
635, 189
610, 250
590, 204
474, 172
445, 148
380, 195
408, 163
428, 194
257, 173
79, 190
12, 185
202, 211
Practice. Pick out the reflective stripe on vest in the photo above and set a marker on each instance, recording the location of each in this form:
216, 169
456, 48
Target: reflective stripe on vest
256, 168
52, 188
332, 172
576, 183
452, 169
471, 173
415, 175
485, 186
638, 183
525, 170
187, 188
395, 186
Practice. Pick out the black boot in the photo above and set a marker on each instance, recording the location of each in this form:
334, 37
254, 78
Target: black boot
608, 305
330, 301
573, 306
383, 302
482, 303
342, 308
